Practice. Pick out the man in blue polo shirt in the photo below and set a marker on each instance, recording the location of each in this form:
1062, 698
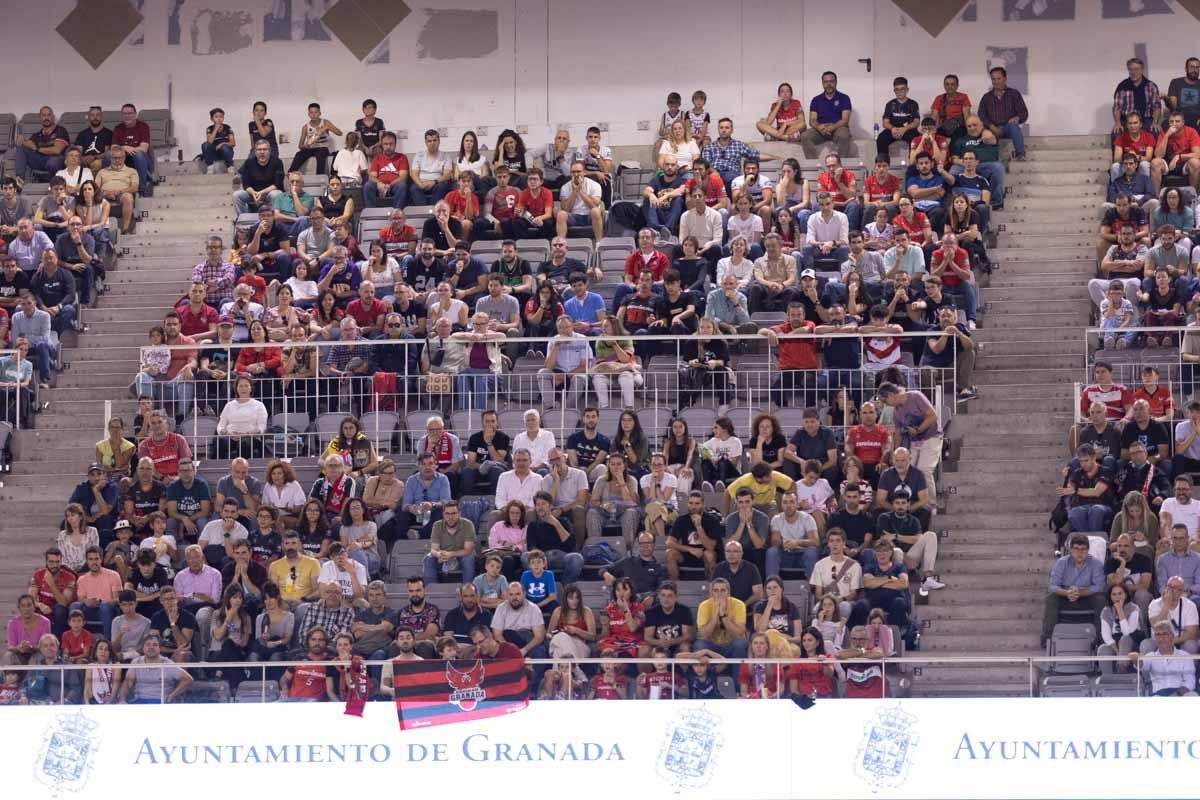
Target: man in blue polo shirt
586, 309
828, 119
928, 189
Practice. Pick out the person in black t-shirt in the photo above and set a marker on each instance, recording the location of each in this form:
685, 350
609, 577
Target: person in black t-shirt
219, 142
1101, 434
812, 441
13, 283
901, 116
94, 140
669, 624
853, 518
176, 627
147, 579
694, 540
488, 451
370, 129
1145, 430
1132, 570
424, 271
1089, 493
587, 449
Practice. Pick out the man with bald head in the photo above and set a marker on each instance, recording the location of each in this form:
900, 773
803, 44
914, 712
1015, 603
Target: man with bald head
244, 489
1131, 569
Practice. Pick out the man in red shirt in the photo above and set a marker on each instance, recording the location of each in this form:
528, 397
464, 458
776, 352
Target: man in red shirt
464, 205
534, 218
839, 182
486, 645
881, 188
705, 177
1157, 396
307, 681
645, 257
1177, 153
164, 448
177, 383
950, 263
1115, 397
797, 358
930, 141
53, 589
499, 208
133, 136
368, 311
398, 232
197, 319
868, 442
951, 109
387, 175
1134, 139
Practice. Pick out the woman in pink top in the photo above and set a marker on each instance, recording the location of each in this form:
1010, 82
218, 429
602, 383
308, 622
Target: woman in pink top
507, 539
24, 630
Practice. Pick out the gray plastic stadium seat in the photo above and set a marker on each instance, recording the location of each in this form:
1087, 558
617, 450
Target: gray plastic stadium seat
207, 692
257, 692
536, 250
1065, 686
1116, 685
1070, 639
379, 427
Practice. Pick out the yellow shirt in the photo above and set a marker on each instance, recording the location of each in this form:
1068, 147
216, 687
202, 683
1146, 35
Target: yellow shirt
736, 610
304, 584
112, 179
764, 493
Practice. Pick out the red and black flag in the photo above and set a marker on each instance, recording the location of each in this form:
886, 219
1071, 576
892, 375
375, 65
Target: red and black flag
441, 692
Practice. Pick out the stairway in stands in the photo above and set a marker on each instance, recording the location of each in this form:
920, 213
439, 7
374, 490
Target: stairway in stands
997, 551
149, 277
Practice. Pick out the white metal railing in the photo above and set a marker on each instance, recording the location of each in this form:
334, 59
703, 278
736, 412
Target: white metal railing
1174, 371
900, 672
748, 388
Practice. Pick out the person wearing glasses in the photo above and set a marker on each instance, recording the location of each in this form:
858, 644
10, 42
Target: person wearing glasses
864, 677
424, 495
1076, 583
1171, 671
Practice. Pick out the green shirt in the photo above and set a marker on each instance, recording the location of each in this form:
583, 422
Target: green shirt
439, 538
283, 203
984, 152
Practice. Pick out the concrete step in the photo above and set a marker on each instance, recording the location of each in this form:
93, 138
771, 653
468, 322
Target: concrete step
1028, 350
1018, 277
1052, 174
1090, 190
1063, 270
184, 202
107, 339
988, 675
997, 626
1037, 146
992, 400
952, 644
957, 521
982, 611
218, 189
187, 227
1050, 306
961, 555
999, 294
70, 466
101, 317
1019, 230
1055, 239
1084, 206
1027, 447
1006, 423
1039, 333
1008, 255
1063, 360
1035, 323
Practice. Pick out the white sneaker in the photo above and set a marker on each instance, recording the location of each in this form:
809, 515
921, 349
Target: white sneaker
932, 583
971, 324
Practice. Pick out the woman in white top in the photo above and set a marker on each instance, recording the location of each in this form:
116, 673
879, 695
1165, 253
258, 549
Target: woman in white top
102, 677
282, 492
680, 145
443, 303
93, 209
243, 420
721, 455
359, 535
470, 159
383, 271
75, 538
350, 163
74, 173
737, 264
1122, 628
304, 289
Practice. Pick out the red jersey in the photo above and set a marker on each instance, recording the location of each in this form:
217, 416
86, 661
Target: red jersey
668, 686
536, 204
388, 168
134, 136
876, 189
308, 681
180, 358
75, 645
463, 207
257, 284
841, 186
1161, 403
949, 107
166, 456
797, 353
868, 445
1183, 142
503, 202
656, 262
1115, 399
714, 188
949, 278
915, 229
939, 140
811, 679
443, 450
405, 235
1130, 145
864, 679
364, 316
616, 689
63, 579
193, 324
786, 113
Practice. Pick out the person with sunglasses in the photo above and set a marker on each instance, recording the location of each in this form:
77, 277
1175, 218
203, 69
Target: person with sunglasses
296, 574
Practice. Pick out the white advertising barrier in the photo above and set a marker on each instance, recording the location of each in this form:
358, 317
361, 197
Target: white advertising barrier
995, 748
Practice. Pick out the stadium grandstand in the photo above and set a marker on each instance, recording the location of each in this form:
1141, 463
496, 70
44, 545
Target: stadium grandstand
731, 399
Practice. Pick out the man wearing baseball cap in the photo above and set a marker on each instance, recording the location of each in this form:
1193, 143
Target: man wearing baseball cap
98, 496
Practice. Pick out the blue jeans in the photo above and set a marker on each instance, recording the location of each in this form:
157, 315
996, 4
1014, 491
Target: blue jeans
569, 564
64, 320
427, 197
244, 204
853, 212
397, 191
968, 295
894, 604
30, 161
839, 253
368, 559
664, 217
1113, 324
43, 357
778, 558
1088, 517
431, 568
211, 152
180, 392
1012, 130
802, 219
478, 384
103, 613
735, 649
